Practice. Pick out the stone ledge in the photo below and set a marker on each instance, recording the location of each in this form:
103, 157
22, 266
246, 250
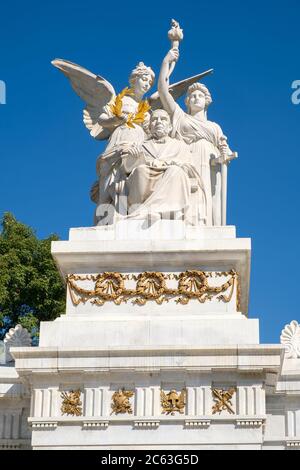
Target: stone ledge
146, 422
256, 358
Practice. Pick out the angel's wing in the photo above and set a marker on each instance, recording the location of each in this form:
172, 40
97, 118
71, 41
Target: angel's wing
94, 90
177, 89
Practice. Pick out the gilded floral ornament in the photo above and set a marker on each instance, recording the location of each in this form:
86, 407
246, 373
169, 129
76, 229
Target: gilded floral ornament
173, 402
71, 404
120, 401
290, 338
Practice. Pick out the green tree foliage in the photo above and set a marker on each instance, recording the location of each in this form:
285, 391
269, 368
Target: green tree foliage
31, 289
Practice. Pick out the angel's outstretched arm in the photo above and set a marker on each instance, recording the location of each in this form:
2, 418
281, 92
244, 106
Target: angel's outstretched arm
167, 100
111, 121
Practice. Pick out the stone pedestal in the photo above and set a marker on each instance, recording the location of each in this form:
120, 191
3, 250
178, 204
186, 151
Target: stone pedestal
162, 312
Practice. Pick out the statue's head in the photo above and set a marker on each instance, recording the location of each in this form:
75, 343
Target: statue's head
160, 124
198, 98
141, 79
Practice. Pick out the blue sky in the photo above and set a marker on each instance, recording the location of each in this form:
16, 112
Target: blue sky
48, 158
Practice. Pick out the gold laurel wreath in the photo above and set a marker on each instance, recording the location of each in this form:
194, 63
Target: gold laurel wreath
133, 118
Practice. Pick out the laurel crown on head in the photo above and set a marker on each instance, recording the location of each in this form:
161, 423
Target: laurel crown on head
139, 70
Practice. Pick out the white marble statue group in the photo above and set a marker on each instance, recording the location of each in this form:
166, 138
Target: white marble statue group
160, 162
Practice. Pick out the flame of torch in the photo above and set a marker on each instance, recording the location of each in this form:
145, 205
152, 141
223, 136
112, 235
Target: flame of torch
175, 35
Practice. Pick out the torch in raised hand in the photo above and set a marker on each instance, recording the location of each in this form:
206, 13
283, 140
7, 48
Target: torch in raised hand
175, 35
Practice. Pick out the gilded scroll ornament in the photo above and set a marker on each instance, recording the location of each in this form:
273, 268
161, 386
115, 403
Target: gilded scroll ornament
71, 404
152, 286
223, 400
120, 401
173, 402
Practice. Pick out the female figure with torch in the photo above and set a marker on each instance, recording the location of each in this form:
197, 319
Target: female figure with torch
207, 142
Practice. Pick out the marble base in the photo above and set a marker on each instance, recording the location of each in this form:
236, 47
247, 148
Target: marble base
197, 345
216, 250
160, 230
148, 331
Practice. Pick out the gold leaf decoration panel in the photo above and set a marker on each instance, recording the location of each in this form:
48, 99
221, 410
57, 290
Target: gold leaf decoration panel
71, 403
173, 401
120, 401
155, 286
222, 398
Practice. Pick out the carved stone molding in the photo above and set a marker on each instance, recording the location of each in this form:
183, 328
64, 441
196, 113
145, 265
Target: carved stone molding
44, 425
146, 423
197, 423
101, 424
152, 286
249, 423
10, 446
293, 443
290, 338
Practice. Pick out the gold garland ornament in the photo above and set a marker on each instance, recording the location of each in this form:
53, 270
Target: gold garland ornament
133, 118
152, 286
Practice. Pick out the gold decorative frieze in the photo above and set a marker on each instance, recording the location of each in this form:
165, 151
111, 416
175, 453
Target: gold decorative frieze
223, 400
120, 401
152, 286
173, 402
71, 404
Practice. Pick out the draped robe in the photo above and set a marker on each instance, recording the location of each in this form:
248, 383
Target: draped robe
159, 182
203, 138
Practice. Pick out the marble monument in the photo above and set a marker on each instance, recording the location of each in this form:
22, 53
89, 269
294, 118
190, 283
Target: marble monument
155, 349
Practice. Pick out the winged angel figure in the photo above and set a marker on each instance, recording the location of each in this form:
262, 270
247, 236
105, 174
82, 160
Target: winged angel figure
122, 119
